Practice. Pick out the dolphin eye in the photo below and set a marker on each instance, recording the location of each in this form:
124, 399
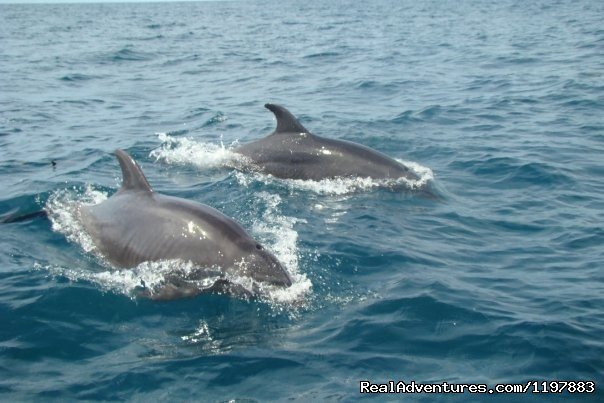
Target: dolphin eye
258, 246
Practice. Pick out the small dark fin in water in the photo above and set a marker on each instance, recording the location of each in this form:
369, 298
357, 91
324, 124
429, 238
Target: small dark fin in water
13, 216
133, 177
286, 122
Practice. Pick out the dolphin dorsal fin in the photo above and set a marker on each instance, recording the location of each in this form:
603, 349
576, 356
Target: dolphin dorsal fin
286, 122
133, 177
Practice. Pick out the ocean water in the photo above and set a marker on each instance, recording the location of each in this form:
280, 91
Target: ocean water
494, 276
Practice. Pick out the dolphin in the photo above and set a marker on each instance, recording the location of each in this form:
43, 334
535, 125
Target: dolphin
293, 152
138, 225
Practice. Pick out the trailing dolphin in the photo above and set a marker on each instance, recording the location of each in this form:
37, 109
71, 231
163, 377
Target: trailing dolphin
292, 152
137, 225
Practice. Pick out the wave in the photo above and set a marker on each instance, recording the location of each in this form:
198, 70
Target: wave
321, 55
511, 172
125, 55
78, 77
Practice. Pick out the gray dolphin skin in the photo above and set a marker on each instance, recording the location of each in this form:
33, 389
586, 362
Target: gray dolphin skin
292, 152
137, 225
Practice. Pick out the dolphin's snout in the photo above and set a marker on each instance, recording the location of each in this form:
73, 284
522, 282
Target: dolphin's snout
267, 269
279, 275
283, 280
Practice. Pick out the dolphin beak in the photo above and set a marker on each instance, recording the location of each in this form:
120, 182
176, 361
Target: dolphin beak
279, 276
264, 267
285, 281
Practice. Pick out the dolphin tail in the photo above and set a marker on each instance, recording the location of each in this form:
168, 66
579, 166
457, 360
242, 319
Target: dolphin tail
133, 177
286, 122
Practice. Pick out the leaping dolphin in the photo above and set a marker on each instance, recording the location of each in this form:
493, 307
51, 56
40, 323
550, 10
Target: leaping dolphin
137, 225
292, 152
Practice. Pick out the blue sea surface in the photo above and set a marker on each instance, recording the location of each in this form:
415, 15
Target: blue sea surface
495, 275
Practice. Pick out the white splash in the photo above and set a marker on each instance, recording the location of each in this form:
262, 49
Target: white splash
147, 277
183, 150
343, 186
63, 211
201, 333
424, 174
277, 231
